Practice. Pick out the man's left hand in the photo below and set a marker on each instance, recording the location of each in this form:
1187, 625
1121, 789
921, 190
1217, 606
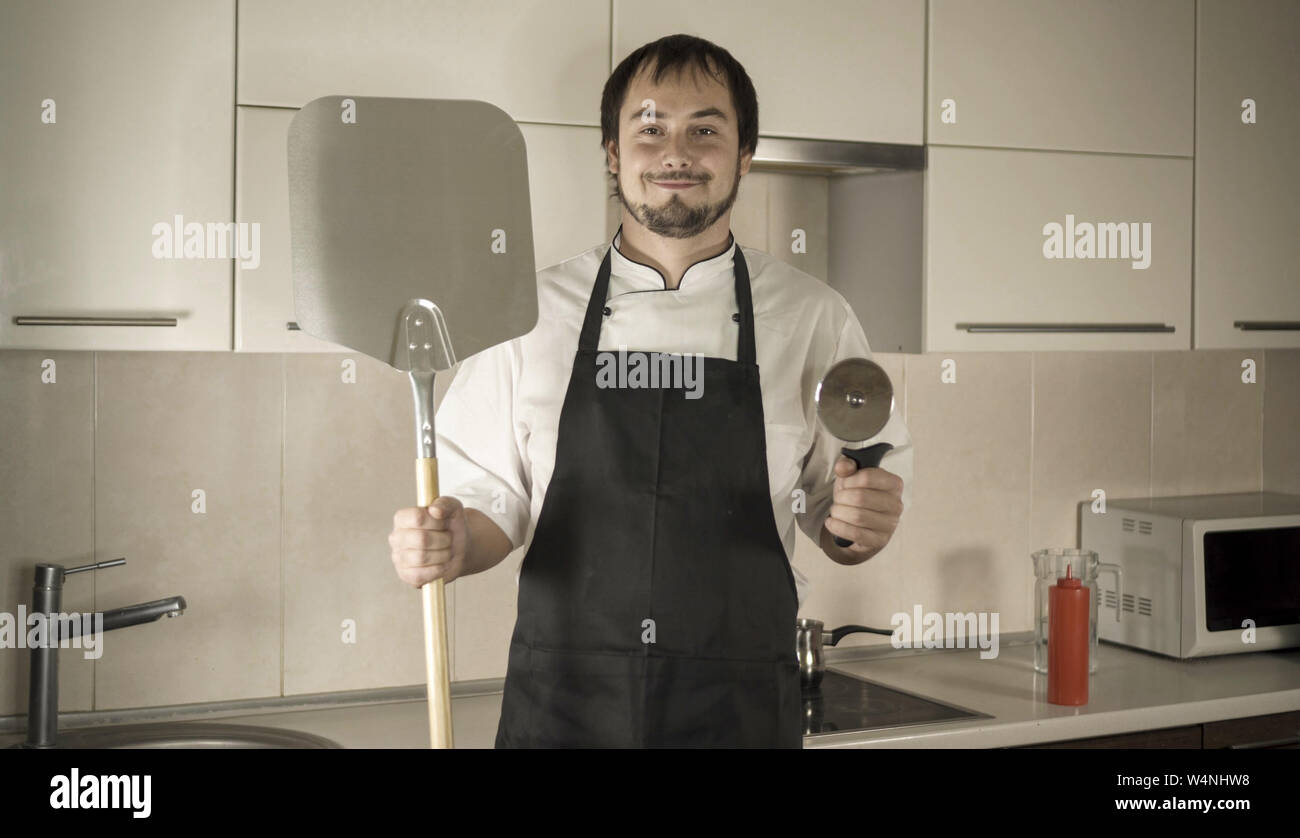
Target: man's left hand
865, 508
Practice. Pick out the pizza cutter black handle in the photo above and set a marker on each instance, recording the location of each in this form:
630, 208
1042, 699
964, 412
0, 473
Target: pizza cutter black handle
868, 457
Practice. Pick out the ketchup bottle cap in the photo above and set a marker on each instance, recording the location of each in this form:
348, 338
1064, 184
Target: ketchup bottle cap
1068, 581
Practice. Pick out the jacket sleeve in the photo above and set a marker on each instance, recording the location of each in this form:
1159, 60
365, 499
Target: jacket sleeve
480, 442
818, 476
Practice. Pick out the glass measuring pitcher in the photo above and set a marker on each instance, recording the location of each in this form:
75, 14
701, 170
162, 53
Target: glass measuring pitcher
1049, 565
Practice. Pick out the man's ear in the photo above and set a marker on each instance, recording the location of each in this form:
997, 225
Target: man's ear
745, 160
611, 156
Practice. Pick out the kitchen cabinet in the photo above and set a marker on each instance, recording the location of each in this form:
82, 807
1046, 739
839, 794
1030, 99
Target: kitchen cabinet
831, 69
264, 294
566, 186
999, 253
538, 60
874, 259
1077, 75
1247, 283
1276, 730
1187, 736
115, 118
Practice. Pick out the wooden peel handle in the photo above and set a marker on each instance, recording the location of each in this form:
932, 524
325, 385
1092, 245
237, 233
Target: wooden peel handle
435, 624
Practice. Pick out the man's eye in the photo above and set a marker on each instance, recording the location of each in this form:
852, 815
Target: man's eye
656, 128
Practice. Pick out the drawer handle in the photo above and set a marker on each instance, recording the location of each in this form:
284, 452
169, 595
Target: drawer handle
94, 321
1267, 325
1065, 327
293, 326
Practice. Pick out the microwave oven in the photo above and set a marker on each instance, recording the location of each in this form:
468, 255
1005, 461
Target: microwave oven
1200, 574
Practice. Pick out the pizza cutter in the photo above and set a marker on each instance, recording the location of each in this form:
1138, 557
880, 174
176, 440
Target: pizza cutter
854, 401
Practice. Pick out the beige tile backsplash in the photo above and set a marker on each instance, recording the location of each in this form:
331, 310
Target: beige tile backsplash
349, 448
187, 489
47, 502
1281, 446
1091, 426
302, 468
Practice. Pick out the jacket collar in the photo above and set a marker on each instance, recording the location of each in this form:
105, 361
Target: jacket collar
636, 276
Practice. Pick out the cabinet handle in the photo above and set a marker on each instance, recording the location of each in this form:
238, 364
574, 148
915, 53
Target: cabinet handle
1272, 743
1065, 327
1267, 325
293, 326
94, 321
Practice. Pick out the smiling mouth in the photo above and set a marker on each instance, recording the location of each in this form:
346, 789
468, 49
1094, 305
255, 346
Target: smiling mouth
675, 184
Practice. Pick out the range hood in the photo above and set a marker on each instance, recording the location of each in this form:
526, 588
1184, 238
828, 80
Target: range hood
833, 157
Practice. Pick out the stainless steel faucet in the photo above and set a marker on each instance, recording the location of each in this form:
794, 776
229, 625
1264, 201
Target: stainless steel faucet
47, 599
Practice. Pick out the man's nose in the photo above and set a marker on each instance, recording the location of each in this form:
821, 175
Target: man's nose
676, 157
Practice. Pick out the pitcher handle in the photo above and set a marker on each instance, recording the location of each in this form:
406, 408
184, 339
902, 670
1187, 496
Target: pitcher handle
1111, 567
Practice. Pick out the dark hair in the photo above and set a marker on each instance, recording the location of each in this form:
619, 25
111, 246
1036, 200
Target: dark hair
679, 53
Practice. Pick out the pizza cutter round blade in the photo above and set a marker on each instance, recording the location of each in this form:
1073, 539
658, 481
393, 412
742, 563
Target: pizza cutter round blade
854, 401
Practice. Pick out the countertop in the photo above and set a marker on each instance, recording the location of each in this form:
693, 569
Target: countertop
1131, 691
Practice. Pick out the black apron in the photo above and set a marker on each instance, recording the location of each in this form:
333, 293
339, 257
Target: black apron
658, 510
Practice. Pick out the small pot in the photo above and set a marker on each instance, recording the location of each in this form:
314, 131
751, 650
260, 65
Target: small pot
810, 636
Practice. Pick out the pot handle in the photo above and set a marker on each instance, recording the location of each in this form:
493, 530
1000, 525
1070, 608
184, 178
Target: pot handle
836, 635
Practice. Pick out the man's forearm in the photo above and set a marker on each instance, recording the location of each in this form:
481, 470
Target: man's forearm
488, 545
840, 555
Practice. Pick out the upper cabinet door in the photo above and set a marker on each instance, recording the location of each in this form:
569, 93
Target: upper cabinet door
1247, 285
827, 69
264, 291
538, 60
566, 191
1069, 75
1045, 242
116, 135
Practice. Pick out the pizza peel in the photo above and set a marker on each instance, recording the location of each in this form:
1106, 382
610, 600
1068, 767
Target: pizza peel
854, 401
412, 243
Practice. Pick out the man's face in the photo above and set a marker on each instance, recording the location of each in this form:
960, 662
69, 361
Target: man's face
686, 134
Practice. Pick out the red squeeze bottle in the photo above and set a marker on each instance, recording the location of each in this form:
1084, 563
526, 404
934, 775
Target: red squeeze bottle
1067, 641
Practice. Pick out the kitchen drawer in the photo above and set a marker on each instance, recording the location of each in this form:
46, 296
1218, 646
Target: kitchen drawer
1279, 730
1187, 736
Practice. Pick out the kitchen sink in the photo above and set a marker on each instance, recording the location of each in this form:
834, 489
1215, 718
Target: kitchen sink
190, 735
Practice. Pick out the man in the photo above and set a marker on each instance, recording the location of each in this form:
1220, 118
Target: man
656, 599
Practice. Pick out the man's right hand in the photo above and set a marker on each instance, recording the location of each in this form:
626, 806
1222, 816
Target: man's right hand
429, 545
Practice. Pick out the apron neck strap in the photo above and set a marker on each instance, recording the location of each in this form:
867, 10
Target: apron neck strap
590, 336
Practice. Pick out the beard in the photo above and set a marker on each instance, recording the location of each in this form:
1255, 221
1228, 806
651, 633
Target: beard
675, 219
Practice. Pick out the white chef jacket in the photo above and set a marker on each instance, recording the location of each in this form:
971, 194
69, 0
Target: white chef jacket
497, 424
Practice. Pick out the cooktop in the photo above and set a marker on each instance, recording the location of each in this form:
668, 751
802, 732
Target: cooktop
843, 702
